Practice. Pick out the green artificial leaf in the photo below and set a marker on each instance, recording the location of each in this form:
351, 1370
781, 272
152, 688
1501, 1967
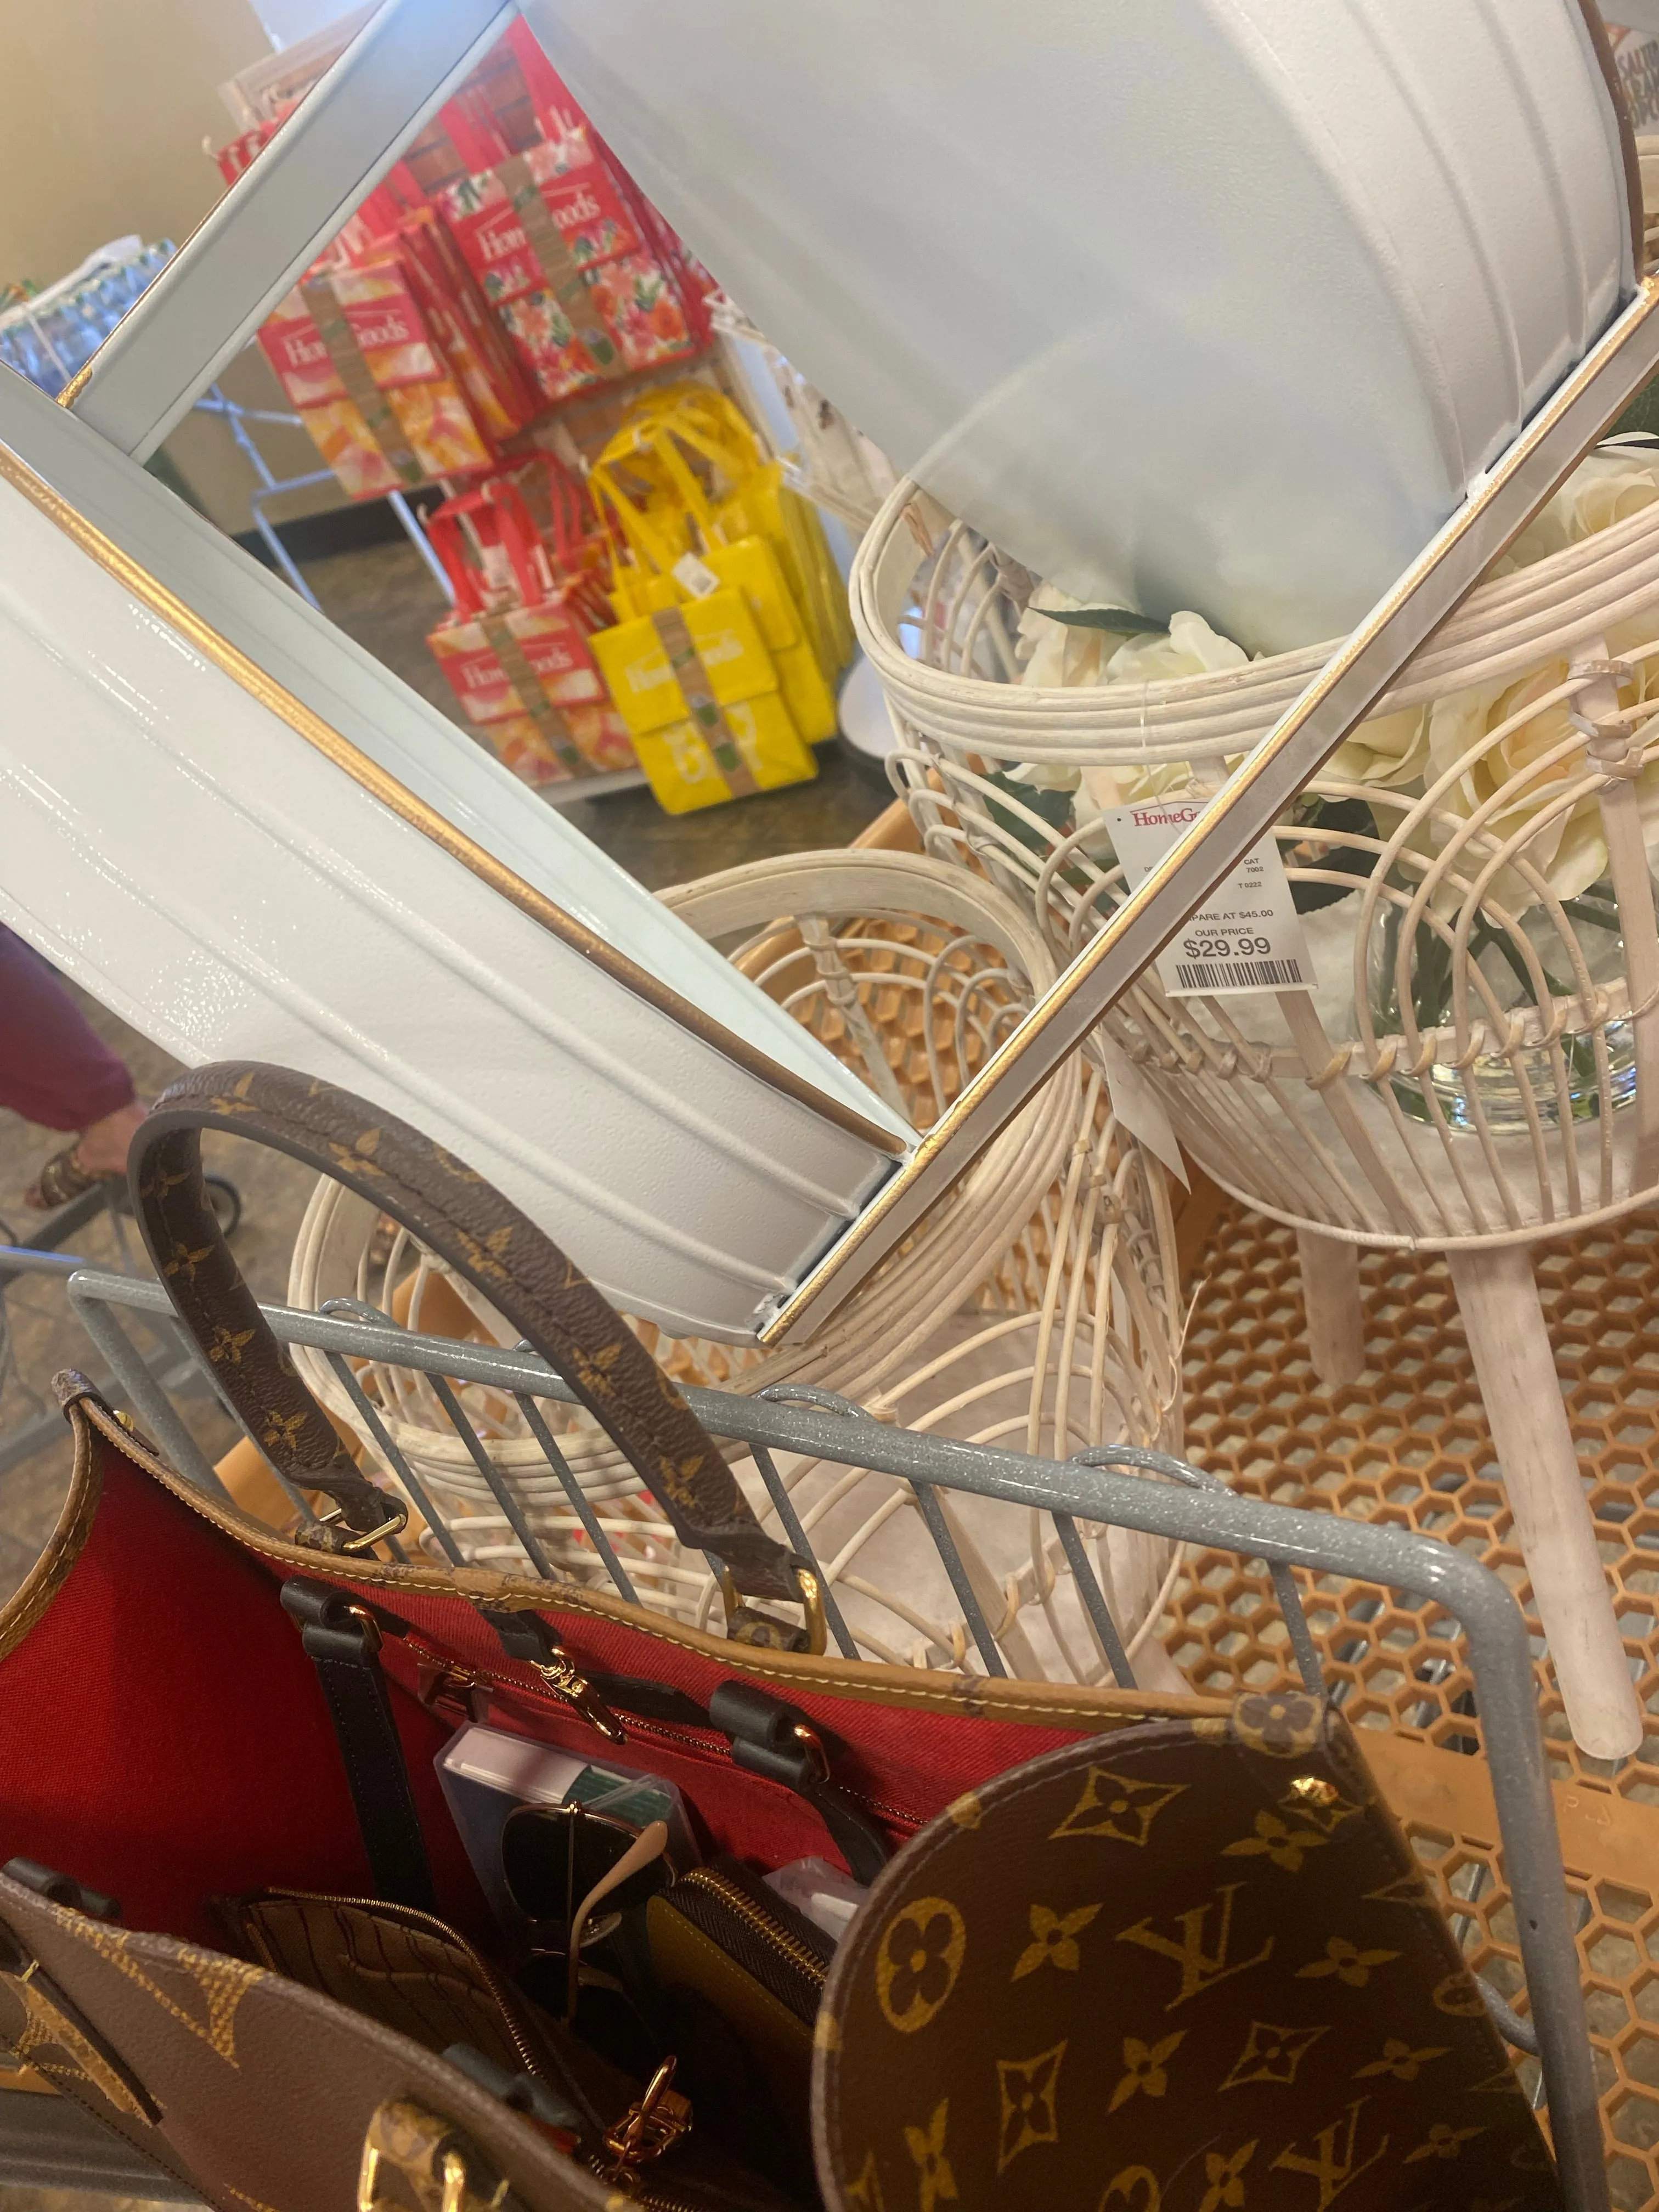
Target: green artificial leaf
1118, 618
1054, 807
1641, 414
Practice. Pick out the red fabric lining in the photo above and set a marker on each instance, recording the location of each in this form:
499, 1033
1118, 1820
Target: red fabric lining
903, 1765
163, 1737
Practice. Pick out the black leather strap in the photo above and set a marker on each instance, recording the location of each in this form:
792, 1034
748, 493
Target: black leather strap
770, 1738
61, 1889
343, 1641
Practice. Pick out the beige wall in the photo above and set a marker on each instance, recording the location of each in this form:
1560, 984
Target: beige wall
104, 105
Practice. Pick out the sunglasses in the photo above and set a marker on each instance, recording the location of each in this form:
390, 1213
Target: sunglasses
561, 1864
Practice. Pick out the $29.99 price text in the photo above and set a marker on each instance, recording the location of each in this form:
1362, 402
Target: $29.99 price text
1224, 948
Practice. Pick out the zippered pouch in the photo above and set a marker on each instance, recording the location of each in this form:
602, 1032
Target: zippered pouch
736, 1976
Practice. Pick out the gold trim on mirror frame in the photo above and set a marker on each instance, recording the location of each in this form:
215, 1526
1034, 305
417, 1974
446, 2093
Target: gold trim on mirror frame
1499, 503
403, 802
77, 383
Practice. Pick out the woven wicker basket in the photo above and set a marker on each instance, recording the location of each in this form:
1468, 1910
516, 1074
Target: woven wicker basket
1511, 1113
1478, 1065
1037, 1306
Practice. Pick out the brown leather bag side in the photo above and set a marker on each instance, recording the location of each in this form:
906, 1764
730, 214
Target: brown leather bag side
259, 2093
1193, 1967
486, 1239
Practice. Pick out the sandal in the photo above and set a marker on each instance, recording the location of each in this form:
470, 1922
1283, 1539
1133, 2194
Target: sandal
61, 1179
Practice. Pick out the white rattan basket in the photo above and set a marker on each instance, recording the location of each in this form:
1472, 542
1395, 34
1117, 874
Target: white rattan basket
1395, 1140
1036, 1307
1478, 1065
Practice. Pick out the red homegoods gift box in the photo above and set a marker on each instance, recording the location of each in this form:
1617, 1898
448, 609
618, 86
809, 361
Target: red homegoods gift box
559, 244
359, 363
578, 192
522, 744
1636, 54
529, 682
395, 221
241, 153
503, 397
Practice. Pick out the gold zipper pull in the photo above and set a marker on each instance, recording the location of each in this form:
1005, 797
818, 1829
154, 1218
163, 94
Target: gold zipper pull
659, 2119
528, 1638
560, 1673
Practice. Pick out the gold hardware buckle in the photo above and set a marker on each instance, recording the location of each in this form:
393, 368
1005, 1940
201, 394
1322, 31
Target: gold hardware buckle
1315, 1789
395, 1521
439, 2170
371, 1627
812, 1744
649, 2128
744, 1625
565, 1679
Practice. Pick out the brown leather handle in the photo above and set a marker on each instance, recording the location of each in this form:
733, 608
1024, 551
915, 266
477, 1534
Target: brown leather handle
467, 1222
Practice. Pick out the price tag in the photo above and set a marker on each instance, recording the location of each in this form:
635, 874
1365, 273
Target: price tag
1247, 936
695, 576
1140, 1109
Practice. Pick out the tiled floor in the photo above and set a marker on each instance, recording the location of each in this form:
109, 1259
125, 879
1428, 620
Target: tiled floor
385, 597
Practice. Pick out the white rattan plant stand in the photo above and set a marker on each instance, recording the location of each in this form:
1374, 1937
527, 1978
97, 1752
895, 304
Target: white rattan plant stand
1517, 1112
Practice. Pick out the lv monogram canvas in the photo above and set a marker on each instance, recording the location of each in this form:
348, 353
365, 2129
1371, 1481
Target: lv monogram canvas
1192, 1970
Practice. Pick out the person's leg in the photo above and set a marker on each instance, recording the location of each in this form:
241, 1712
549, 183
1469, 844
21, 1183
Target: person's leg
54, 1066
56, 1069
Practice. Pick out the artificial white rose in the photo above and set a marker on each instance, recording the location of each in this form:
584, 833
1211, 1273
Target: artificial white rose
1192, 649
1567, 851
1065, 655
1059, 655
1570, 851
1608, 484
1388, 751
1040, 775
1041, 645
1131, 785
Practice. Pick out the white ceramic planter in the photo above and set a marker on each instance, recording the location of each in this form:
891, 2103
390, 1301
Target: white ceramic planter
1209, 303
189, 842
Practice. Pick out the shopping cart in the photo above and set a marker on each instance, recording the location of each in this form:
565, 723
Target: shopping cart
32, 1421
1530, 1970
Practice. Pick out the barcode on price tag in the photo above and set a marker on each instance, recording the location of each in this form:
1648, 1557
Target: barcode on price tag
1247, 936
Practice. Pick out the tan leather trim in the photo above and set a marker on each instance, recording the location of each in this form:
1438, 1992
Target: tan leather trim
1036, 1705
64, 1547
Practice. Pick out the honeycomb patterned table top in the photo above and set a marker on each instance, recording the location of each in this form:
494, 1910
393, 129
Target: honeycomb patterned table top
1408, 1444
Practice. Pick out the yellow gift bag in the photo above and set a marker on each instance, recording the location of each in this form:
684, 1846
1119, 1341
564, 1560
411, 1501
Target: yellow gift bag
758, 501
699, 692
745, 499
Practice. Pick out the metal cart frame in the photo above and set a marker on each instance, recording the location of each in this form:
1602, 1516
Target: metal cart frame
1125, 1485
